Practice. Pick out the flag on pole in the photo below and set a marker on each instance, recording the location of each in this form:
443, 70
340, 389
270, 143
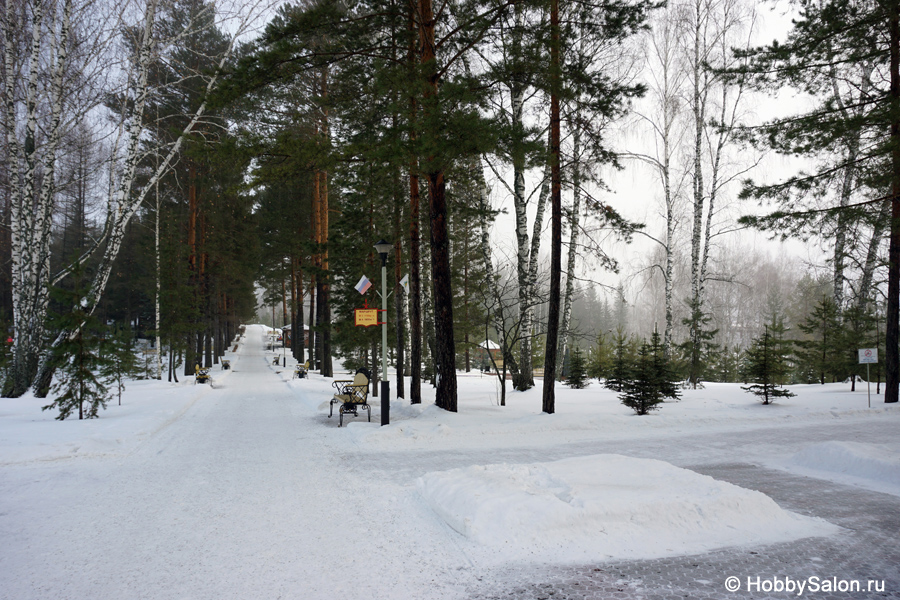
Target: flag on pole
405, 283
364, 284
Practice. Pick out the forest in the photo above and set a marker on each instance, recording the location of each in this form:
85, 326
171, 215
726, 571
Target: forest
172, 169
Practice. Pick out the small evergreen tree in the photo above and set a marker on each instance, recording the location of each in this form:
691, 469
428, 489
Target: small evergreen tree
578, 377
600, 358
727, 365
698, 345
119, 359
620, 369
78, 358
652, 379
820, 354
859, 332
767, 365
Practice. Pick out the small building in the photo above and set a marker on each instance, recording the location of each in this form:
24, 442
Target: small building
483, 353
288, 330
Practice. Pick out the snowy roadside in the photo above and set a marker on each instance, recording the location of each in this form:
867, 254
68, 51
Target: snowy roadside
28, 434
583, 415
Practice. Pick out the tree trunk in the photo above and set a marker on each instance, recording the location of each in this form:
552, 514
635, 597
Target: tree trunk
549, 391
525, 379
312, 322
872, 260
445, 347
892, 325
574, 229
415, 282
399, 319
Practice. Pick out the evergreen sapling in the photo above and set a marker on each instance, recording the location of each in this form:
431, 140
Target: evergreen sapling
119, 359
578, 377
652, 379
79, 359
766, 365
620, 370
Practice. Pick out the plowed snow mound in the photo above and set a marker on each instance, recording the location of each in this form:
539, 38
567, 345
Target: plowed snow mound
606, 506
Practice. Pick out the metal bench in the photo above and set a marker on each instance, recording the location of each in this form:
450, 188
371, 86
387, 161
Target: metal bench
351, 396
201, 375
301, 371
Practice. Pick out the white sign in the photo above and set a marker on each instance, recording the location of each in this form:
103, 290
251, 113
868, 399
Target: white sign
868, 355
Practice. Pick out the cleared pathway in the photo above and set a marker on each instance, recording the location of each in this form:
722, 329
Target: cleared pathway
245, 496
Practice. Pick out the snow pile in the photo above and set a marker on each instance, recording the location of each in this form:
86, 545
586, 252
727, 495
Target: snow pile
606, 506
868, 465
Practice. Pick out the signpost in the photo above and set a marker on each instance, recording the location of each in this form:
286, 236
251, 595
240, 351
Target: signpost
868, 356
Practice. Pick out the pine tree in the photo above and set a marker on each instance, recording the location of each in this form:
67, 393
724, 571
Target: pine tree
600, 358
652, 379
767, 365
844, 55
78, 358
578, 377
620, 369
727, 365
119, 361
821, 353
698, 344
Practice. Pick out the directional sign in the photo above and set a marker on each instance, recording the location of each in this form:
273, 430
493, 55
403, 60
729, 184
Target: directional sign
868, 355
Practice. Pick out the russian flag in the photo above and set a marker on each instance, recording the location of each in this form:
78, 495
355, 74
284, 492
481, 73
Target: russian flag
364, 284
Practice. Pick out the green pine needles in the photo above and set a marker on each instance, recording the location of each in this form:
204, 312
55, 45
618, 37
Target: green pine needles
766, 366
79, 358
578, 377
652, 379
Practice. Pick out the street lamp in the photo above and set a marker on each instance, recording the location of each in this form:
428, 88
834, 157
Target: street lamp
382, 247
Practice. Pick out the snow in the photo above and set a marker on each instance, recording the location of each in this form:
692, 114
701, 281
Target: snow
247, 488
28, 434
606, 506
873, 466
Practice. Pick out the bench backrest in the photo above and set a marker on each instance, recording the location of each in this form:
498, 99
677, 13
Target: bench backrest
361, 379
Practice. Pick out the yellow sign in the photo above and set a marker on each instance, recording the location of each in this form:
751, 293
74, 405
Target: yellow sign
366, 317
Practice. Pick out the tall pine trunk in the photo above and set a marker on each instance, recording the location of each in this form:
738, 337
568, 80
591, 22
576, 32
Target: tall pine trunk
892, 325
445, 346
549, 391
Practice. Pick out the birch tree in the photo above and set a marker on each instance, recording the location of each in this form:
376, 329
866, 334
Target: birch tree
129, 152
709, 29
664, 118
52, 55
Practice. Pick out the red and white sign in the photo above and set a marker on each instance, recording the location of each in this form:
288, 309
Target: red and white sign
868, 356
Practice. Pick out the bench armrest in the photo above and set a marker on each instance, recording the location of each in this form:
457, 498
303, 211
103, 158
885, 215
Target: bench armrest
338, 384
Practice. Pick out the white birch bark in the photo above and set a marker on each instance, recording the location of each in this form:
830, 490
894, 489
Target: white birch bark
125, 203
698, 109
517, 100
533, 255
574, 230
872, 260
665, 122
31, 208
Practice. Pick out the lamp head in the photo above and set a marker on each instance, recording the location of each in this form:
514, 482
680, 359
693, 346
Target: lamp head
383, 248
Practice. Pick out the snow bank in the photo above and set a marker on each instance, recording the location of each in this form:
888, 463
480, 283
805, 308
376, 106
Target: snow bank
868, 465
606, 506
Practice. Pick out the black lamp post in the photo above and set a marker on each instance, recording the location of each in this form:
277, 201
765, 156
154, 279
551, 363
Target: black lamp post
382, 247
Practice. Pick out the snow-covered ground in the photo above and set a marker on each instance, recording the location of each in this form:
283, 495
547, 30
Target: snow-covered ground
248, 489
